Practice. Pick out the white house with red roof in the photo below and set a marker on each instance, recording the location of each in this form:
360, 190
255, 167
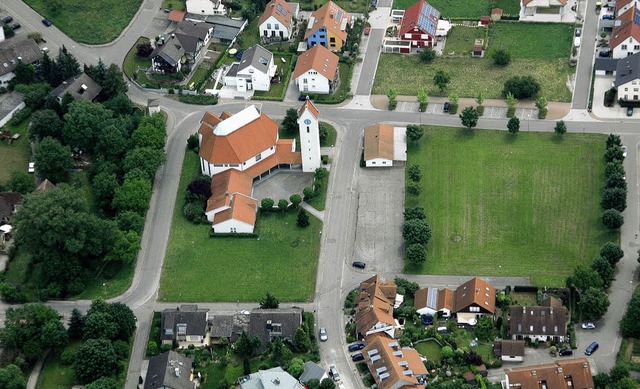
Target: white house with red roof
278, 20
316, 71
419, 24
625, 38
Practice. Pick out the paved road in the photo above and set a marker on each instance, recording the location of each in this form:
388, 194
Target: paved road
587, 49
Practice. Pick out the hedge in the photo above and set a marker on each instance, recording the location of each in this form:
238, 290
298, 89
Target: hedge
240, 235
198, 99
525, 289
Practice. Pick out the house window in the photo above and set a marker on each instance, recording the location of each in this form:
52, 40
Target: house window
307, 129
544, 329
218, 165
474, 309
626, 89
635, 97
277, 26
276, 328
636, 47
373, 162
258, 157
332, 39
269, 26
304, 80
530, 328
623, 47
233, 230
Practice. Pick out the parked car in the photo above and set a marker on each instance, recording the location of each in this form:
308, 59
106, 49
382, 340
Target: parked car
629, 111
359, 264
15, 26
323, 334
333, 372
605, 53
608, 17
427, 320
355, 347
578, 31
624, 148
588, 326
46, 22
357, 357
592, 348
565, 352
447, 107
7, 19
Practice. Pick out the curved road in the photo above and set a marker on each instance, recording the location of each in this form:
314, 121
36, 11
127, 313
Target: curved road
335, 278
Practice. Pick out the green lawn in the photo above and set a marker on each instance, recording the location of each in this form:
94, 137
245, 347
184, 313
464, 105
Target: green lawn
199, 268
16, 155
461, 39
358, 6
472, 9
276, 91
92, 22
55, 375
133, 65
429, 349
340, 94
176, 5
331, 139
532, 40
250, 35
505, 206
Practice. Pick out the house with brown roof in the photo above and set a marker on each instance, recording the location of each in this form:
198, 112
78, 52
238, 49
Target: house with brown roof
562, 374
623, 6
392, 366
328, 26
317, 71
278, 20
509, 350
547, 322
384, 144
542, 10
625, 37
374, 307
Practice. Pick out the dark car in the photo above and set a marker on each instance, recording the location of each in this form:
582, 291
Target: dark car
46, 22
447, 107
605, 53
355, 347
427, 320
357, 357
565, 352
629, 111
7, 19
591, 349
302, 98
359, 264
608, 17
15, 26
578, 31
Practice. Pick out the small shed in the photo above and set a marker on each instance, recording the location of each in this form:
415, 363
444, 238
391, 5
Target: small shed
153, 105
478, 48
496, 14
177, 16
484, 20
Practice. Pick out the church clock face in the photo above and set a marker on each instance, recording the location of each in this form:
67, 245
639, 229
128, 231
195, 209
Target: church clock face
307, 121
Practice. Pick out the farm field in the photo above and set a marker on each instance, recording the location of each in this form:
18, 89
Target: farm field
510, 206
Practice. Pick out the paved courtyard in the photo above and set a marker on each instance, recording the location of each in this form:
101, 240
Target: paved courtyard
282, 185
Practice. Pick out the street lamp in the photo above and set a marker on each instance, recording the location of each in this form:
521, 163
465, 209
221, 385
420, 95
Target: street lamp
528, 120
104, 286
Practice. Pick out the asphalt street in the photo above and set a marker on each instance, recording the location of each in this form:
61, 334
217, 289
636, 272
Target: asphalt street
335, 275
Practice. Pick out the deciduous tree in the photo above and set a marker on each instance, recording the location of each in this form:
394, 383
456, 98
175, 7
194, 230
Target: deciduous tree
513, 126
283, 204
593, 304
416, 253
501, 57
414, 172
416, 231
612, 219
125, 247
615, 198
427, 55
327, 383
584, 278
441, 79
266, 204
522, 87
11, 377
296, 367
22, 182
469, 117
295, 199
53, 160
84, 121
605, 270
414, 132
416, 212
95, 359
45, 122
133, 195
611, 252
560, 128
245, 348
629, 323
290, 122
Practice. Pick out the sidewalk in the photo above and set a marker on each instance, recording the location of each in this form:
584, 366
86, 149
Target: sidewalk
33, 377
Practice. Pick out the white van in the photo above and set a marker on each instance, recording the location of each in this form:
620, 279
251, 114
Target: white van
441, 329
576, 41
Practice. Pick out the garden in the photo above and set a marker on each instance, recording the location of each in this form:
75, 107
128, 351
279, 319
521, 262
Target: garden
471, 9
14, 156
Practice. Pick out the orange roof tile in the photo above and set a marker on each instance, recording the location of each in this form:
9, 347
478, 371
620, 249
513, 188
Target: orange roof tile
317, 58
275, 8
177, 16
378, 141
627, 28
564, 374
326, 16
308, 104
284, 153
225, 184
446, 299
243, 208
476, 291
402, 364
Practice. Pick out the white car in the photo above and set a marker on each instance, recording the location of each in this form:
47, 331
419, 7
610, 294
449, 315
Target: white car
32, 167
588, 326
323, 334
624, 151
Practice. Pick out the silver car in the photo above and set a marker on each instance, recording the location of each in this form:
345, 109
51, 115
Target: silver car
323, 334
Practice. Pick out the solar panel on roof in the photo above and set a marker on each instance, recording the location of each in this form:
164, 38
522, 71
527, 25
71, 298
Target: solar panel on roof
339, 15
432, 297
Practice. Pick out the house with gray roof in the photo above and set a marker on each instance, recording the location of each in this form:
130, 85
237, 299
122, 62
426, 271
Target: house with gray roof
627, 80
168, 56
194, 37
254, 71
274, 378
26, 51
221, 326
312, 371
225, 29
185, 325
170, 370
268, 324
80, 87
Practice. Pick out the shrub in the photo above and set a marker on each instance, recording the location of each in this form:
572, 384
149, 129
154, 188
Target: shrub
303, 218
144, 50
198, 99
308, 193
427, 55
413, 188
416, 253
521, 87
192, 142
67, 357
501, 57
12, 294
295, 199
266, 204
612, 219
20, 116
324, 158
480, 109
415, 173
283, 204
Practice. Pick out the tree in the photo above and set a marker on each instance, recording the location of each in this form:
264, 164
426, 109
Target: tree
453, 97
611, 252
53, 160
119, 104
560, 128
54, 335
614, 153
130, 221
133, 195
313, 383
522, 87
147, 136
99, 325
269, 301
45, 122
480, 98
76, 324
111, 142
427, 55
511, 100
627, 383
612, 219
11, 377
46, 68
323, 133
66, 67
34, 94
96, 72
84, 121
290, 122
327, 383
513, 126
447, 352
584, 278
485, 330
605, 270
441, 79
416, 253
21, 182
113, 83
601, 380
25, 73
296, 367
283, 204
423, 99
200, 187
392, 95
245, 348
501, 57
125, 247
615, 198
103, 383
266, 204
320, 174
416, 212
619, 372
295, 199
308, 192
616, 180
414, 132
541, 104
95, 359
104, 187
144, 158
414, 172
123, 318
301, 340
593, 303
303, 218
629, 323
413, 188
469, 117
613, 140
144, 50
416, 231
612, 168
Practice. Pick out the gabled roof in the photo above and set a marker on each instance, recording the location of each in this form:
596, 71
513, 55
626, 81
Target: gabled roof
330, 16
627, 69
312, 371
476, 291
426, 298
80, 87
538, 320
562, 374
375, 303
191, 33
393, 366
256, 56
421, 15
242, 208
27, 51
279, 9
606, 64
317, 58
193, 318
308, 105
544, 3
169, 370
225, 184
221, 326
621, 3
624, 28
177, 16
261, 321
274, 378
378, 141
446, 299
512, 348
171, 52
45, 186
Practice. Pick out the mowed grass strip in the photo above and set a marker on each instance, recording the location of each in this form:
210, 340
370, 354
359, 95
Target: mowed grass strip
15, 156
471, 9
407, 75
505, 206
199, 268
532, 40
92, 22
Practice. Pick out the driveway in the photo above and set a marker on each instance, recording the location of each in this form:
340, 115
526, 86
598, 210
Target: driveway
282, 185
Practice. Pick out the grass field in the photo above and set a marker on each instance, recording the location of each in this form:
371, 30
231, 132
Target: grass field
276, 91
430, 349
55, 375
504, 206
87, 21
532, 40
348, 5
16, 155
199, 268
464, 8
460, 40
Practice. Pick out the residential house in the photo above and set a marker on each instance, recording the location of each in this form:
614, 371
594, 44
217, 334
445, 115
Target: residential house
317, 71
26, 51
206, 7
80, 87
254, 71
220, 327
606, 66
509, 350
419, 25
384, 144
561, 374
374, 307
45, 186
269, 379
470, 300
268, 324
185, 326
328, 26
194, 37
170, 370
625, 37
627, 81
392, 366
312, 371
278, 20
551, 10
10, 104
9, 202
623, 6
543, 323
225, 29
168, 57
